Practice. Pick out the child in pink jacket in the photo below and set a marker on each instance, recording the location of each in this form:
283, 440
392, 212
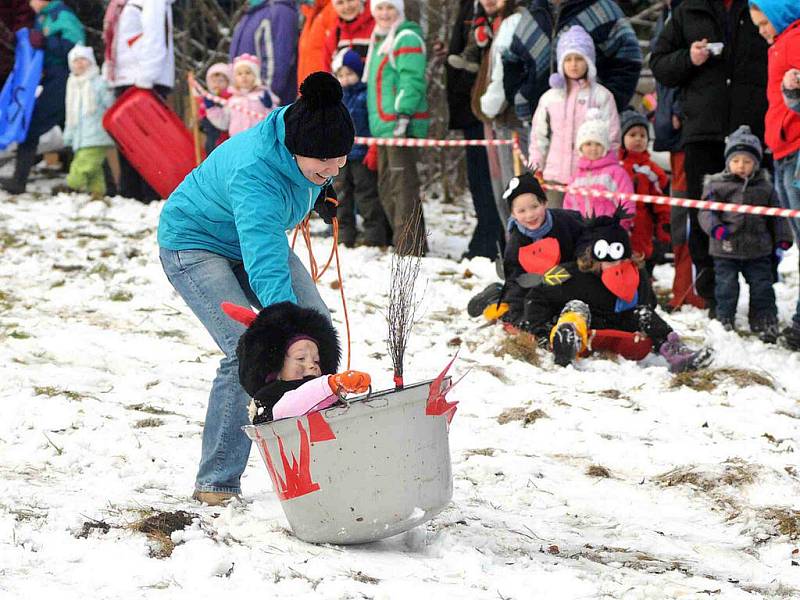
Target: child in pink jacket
250, 101
599, 168
287, 359
562, 109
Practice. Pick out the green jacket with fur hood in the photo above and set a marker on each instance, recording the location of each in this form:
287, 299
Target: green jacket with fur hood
396, 84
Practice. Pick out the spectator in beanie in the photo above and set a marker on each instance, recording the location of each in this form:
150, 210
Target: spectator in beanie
532, 58
398, 107
222, 238
353, 29
138, 53
742, 243
488, 238
14, 15
778, 21
268, 30
652, 220
55, 31
719, 92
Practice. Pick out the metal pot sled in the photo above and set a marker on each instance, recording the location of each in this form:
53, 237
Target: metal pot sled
365, 471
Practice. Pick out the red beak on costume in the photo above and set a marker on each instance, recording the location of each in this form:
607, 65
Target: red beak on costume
621, 279
245, 316
540, 256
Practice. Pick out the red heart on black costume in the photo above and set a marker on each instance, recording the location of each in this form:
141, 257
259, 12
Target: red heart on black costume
540, 256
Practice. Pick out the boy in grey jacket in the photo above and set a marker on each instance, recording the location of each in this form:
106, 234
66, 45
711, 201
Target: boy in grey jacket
744, 243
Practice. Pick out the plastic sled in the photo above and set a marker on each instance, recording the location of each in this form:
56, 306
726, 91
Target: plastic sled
365, 471
631, 346
152, 137
18, 95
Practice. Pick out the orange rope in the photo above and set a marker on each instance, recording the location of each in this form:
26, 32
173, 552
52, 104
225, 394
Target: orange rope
304, 228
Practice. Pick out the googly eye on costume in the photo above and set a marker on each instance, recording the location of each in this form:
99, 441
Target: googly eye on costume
616, 250
512, 185
600, 249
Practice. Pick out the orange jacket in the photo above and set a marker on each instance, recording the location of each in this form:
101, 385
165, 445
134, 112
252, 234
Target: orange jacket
320, 18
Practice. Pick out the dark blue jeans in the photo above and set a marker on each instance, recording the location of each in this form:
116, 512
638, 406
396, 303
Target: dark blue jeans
758, 275
489, 230
204, 280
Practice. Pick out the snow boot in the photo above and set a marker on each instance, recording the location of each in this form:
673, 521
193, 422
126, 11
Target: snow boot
680, 357
479, 302
791, 337
569, 337
15, 184
766, 328
728, 323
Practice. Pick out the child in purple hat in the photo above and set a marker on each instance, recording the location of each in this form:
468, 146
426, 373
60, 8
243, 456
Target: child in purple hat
562, 109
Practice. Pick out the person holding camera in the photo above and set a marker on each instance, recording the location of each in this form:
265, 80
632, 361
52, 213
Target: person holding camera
711, 51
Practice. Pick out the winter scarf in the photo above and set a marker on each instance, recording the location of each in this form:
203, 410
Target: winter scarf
110, 20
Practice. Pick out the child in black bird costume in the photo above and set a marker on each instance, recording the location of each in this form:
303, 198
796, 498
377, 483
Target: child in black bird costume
604, 289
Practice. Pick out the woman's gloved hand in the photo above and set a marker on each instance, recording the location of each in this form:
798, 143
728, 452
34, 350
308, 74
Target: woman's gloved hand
326, 204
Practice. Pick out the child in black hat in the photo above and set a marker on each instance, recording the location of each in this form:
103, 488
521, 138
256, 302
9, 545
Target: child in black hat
288, 357
538, 238
743, 243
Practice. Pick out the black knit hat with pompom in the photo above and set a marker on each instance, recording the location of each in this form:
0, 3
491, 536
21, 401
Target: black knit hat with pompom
263, 345
318, 124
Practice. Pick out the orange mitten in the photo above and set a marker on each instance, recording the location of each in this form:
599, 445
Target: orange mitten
494, 311
355, 382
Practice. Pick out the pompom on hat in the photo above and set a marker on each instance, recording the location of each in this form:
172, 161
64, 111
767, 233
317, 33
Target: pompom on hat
574, 40
318, 124
262, 347
593, 129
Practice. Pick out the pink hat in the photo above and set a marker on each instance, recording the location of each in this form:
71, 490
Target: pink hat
251, 62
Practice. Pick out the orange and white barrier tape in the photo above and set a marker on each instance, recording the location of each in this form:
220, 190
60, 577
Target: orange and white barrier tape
766, 211
428, 143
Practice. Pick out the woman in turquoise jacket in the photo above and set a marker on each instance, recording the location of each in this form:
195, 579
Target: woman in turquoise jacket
222, 238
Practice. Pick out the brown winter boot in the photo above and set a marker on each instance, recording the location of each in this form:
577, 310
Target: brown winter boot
214, 498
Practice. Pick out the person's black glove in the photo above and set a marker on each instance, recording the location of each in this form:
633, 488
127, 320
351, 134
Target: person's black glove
326, 204
36, 38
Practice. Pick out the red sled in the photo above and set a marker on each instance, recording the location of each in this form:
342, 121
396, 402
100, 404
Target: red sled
152, 137
628, 345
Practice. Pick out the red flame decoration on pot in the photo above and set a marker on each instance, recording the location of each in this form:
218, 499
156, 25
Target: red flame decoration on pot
297, 480
437, 396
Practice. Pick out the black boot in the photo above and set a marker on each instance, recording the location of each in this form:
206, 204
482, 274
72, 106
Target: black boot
565, 344
26, 158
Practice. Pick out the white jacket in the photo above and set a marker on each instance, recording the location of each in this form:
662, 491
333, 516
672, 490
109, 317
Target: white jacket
143, 40
493, 101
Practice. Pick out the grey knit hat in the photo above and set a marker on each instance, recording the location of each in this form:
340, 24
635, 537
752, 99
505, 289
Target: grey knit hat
631, 118
742, 141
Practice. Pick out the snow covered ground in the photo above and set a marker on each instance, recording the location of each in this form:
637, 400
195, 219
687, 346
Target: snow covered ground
608, 479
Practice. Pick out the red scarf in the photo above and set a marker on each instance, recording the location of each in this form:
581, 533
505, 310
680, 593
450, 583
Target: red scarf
110, 21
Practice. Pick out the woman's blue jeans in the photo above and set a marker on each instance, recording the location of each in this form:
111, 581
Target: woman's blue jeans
204, 280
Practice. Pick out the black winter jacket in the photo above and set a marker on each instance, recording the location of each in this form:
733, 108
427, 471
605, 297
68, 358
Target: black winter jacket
459, 82
567, 228
726, 91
